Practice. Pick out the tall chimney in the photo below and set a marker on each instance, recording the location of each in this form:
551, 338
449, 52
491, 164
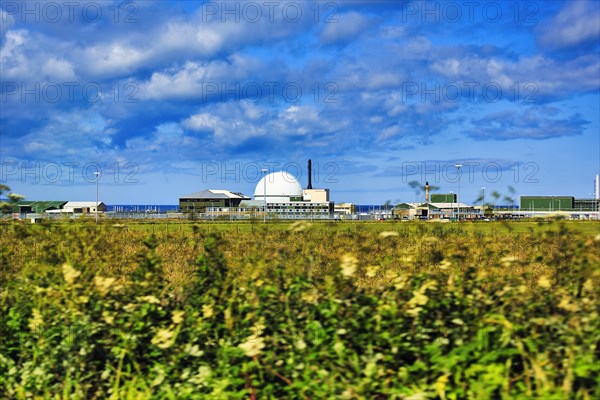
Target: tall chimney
597, 188
426, 192
309, 175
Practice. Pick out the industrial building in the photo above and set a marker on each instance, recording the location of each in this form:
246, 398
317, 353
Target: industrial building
29, 207
199, 201
558, 204
436, 210
278, 195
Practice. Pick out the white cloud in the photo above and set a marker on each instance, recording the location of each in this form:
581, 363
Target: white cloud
58, 69
577, 23
348, 27
201, 80
13, 59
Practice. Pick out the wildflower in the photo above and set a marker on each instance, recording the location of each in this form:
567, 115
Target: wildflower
202, 377
386, 234
207, 311
348, 265
301, 344
399, 282
108, 318
160, 377
566, 304
419, 299
70, 273
372, 270
103, 284
311, 297
544, 282
440, 385
130, 307
507, 261
149, 299
164, 338
36, 320
193, 350
177, 317
413, 312
252, 347
588, 285
445, 264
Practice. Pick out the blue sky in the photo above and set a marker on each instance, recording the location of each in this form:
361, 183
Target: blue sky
167, 99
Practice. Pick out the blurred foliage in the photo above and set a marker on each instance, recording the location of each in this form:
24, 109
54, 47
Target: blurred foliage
437, 312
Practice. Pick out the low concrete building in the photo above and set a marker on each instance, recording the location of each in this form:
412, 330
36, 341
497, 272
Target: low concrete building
316, 195
83, 207
345, 208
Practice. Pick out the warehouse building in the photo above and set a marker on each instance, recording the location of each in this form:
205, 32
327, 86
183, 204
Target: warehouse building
557, 204
24, 207
566, 206
198, 202
82, 207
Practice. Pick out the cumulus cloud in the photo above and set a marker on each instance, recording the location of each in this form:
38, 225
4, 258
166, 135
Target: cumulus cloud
205, 79
578, 23
73, 135
534, 78
346, 27
536, 123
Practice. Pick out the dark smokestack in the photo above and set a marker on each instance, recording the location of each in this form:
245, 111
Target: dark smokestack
426, 192
309, 175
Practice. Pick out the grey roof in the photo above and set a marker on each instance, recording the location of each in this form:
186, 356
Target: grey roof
214, 194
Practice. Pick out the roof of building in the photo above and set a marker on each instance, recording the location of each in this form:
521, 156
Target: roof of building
40, 204
432, 205
215, 194
81, 204
278, 184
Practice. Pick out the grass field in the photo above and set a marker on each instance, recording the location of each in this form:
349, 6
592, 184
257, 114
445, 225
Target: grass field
300, 310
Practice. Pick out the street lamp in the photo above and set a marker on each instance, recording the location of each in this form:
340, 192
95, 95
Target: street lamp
97, 173
458, 167
264, 171
452, 204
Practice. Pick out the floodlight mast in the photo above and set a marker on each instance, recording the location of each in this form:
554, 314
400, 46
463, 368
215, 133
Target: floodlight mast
264, 171
97, 173
458, 167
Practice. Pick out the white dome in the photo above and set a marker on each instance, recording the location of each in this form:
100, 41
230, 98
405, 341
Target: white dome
280, 187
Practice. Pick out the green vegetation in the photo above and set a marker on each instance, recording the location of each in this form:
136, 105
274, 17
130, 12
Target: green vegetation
323, 310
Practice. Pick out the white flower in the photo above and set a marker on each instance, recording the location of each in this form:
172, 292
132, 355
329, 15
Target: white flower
348, 265
252, 347
386, 234
193, 350
544, 282
164, 338
70, 273
103, 284
301, 344
178, 317
36, 320
202, 377
149, 299
207, 311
